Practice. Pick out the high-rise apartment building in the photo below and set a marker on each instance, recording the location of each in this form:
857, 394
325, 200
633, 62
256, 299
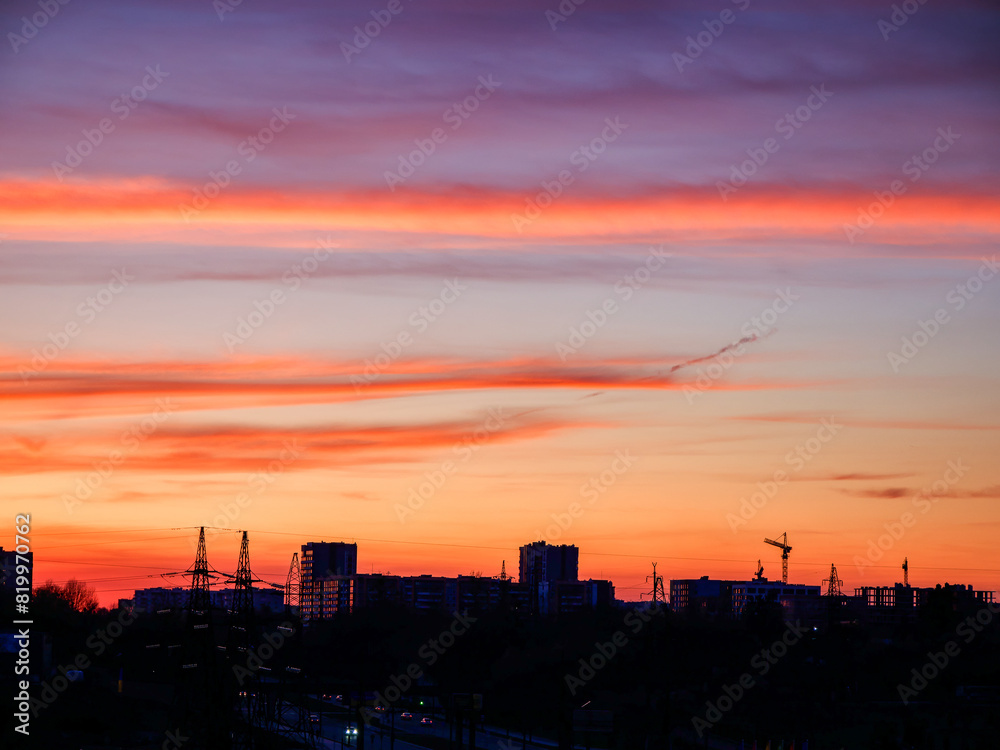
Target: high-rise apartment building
328, 570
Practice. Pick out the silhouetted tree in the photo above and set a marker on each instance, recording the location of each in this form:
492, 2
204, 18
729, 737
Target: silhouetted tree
75, 595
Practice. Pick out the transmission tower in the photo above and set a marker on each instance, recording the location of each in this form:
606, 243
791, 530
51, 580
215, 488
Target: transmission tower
293, 584
250, 715
200, 598
657, 595
200, 697
833, 583
503, 590
243, 580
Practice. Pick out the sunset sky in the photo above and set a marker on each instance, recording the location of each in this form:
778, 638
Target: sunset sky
264, 269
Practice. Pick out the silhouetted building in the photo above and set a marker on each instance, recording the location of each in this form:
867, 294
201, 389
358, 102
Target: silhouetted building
747, 593
717, 598
887, 605
158, 598
339, 588
427, 592
561, 597
703, 596
371, 590
548, 562
958, 596
263, 599
325, 559
327, 579
892, 605
8, 571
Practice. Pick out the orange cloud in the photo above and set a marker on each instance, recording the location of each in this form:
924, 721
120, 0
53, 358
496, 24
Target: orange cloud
878, 424
182, 449
97, 387
150, 208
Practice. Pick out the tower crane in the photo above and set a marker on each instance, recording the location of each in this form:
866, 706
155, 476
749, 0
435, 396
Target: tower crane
785, 549
906, 572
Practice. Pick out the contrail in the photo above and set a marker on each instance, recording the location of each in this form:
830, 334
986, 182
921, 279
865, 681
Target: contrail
745, 340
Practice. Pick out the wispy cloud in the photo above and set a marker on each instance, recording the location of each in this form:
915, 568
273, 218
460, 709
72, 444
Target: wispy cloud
98, 388
878, 424
220, 449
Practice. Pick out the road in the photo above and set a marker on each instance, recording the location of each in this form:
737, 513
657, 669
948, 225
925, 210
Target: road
408, 734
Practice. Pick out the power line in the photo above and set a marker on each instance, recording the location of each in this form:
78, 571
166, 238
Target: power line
99, 531
107, 565
94, 544
103, 580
